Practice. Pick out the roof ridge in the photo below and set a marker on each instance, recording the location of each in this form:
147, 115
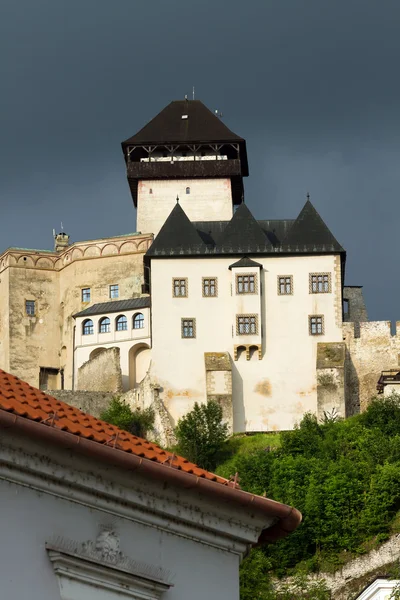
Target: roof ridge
25, 401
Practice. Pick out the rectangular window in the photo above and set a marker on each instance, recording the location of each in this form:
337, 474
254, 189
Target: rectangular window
85, 294
209, 287
188, 327
285, 285
180, 288
30, 307
246, 324
320, 283
316, 325
246, 284
114, 291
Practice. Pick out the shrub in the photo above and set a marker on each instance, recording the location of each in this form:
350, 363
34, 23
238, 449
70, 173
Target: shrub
201, 434
138, 422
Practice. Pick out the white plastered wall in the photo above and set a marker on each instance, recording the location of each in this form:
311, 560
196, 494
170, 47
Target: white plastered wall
268, 394
134, 345
209, 200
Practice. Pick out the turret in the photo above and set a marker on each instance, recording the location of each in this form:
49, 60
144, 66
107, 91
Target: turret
185, 151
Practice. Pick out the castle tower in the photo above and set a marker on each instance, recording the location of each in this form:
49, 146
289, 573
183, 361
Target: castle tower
186, 151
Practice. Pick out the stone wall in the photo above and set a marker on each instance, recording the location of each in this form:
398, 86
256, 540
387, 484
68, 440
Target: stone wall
356, 309
331, 379
93, 403
102, 373
371, 350
147, 395
352, 578
219, 383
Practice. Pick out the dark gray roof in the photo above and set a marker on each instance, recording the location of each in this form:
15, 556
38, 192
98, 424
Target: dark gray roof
177, 234
245, 262
310, 229
244, 235
115, 306
168, 126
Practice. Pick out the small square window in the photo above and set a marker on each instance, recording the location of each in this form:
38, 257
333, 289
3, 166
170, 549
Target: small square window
320, 283
180, 288
85, 294
246, 284
188, 328
316, 325
285, 285
246, 325
30, 307
114, 291
209, 287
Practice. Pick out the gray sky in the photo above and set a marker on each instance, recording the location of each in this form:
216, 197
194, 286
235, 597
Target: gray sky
313, 86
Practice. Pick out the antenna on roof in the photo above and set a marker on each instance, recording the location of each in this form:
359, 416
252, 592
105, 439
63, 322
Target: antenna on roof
62, 227
308, 195
54, 233
177, 199
193, 92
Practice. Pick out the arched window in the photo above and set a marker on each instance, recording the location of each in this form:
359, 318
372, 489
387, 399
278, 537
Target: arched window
104, 325
138, 321
87, 327
188, 190
121, 323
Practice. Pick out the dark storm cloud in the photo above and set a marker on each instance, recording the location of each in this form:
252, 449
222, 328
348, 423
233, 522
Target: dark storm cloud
311, 84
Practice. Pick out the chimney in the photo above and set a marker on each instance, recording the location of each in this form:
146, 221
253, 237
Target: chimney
61, 241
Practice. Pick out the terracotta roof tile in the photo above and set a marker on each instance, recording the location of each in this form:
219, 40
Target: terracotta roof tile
21, 399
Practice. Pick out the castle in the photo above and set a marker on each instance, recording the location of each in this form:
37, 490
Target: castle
202, 302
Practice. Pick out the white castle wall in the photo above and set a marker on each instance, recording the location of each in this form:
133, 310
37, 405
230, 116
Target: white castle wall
209, 200
268, 394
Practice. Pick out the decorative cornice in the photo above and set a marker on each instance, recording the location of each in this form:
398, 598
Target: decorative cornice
94, 249
105, 551
143, 502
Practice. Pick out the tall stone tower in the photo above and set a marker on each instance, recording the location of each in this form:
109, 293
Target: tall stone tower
186, 151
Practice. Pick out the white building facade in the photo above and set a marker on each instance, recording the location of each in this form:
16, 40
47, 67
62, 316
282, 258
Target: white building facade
94, 513
234, 309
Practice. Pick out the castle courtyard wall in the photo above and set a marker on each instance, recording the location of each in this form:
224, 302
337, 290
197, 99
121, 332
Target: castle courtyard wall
374, 350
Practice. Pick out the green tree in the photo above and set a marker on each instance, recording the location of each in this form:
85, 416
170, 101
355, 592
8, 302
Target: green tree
138, 422
201, 434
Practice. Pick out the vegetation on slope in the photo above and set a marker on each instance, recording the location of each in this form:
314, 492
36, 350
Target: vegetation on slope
344, 476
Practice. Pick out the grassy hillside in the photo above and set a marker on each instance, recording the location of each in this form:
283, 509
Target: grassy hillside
343, 476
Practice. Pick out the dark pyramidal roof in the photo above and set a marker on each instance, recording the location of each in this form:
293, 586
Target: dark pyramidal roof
245, 263
244, 235
168, 127
115, 306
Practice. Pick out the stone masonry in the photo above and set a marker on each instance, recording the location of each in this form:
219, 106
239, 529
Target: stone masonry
102, 373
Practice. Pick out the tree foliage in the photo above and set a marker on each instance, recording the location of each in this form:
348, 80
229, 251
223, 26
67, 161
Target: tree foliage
343, 475
201, 434
138, 422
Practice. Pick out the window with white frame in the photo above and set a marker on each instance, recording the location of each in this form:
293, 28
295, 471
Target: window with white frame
316, 324
285, 285
104, 325
246, 283
87, 327
209, 287
85, 294
188, 328
138, 321
114, 291
121, 323
180, 287
320, 283
246, 324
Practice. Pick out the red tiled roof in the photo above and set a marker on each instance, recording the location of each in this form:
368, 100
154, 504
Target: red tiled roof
20, 398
